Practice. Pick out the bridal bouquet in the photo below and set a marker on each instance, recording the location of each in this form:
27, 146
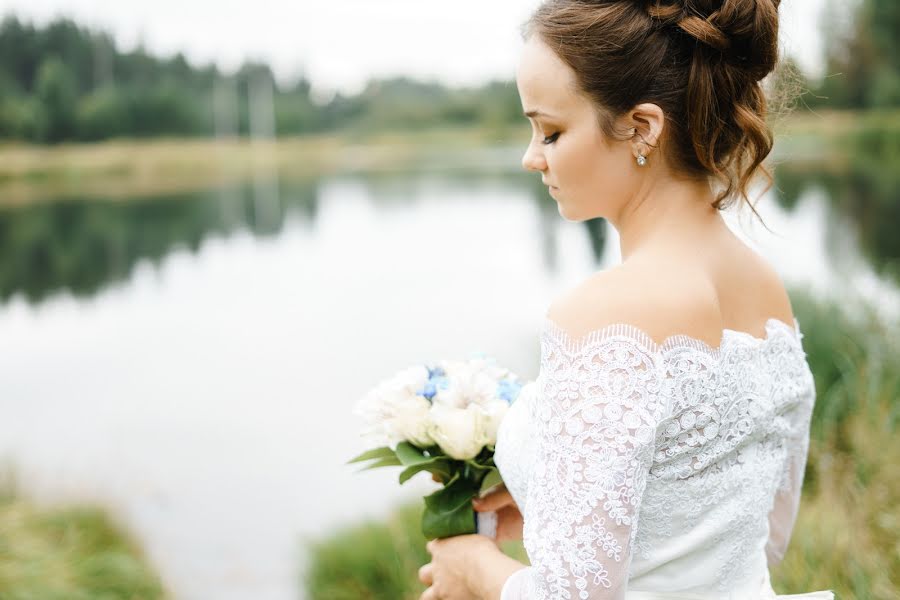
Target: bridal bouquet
442, 419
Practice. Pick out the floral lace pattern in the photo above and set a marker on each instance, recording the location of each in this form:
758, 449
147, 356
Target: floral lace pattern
627, 446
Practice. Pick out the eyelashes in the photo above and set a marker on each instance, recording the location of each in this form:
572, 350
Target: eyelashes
551, 138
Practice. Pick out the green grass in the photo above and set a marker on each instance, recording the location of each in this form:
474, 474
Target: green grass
839, 137
375, 560
125, 168
72, 553
847, 536
370, 561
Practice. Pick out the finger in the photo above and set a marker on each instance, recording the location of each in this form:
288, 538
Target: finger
493, 501
426, 574
429, 594
430, 546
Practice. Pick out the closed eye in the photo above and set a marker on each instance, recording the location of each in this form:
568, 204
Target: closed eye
551, 138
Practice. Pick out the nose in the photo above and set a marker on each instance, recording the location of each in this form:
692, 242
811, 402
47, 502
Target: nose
533, 159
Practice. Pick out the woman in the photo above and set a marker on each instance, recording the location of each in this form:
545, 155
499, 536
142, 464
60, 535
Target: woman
660, 452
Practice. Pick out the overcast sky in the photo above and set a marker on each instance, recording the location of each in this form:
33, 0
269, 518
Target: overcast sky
339, 44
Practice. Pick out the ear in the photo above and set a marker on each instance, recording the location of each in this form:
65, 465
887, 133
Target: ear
645, 122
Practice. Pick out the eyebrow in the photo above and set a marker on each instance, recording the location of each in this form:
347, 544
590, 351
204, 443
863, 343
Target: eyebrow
537, 113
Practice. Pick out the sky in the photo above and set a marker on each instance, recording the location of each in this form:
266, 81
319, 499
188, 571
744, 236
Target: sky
340, 44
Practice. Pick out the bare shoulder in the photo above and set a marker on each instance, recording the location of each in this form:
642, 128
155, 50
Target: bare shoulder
751, 293
668, 296
660, 300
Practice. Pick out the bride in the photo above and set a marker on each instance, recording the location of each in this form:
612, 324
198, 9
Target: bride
660, 452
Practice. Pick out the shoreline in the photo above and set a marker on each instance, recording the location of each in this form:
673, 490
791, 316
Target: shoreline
124, 168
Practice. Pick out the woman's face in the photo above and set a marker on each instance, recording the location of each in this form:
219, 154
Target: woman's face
589, 175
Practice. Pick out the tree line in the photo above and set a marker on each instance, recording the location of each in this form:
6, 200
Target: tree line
62, 82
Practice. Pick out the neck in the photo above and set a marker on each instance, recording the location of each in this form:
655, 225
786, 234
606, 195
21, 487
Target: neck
665, 211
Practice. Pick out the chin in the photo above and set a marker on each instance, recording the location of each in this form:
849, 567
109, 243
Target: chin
568, 214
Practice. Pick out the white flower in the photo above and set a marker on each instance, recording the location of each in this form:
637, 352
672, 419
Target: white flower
468, 400
412, 421
494, 411
488, 367
394, 412
412, 379
468, 384
458, 431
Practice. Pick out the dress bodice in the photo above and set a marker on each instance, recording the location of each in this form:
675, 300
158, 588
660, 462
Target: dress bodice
657, 467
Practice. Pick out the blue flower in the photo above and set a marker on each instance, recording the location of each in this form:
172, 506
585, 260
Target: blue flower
440, 382
428, 391
435, 372
508, 389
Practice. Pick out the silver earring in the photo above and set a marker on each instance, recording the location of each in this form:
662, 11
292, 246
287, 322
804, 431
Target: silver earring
641, 160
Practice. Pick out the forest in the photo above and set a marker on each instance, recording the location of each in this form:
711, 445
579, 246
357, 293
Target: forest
64, 82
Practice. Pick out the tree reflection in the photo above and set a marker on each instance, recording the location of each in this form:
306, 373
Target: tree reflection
864, 190
80, 245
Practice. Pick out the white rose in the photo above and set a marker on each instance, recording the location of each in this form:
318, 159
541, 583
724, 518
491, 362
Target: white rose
394, 412
451, 396
458, 431
494, 411
411, 421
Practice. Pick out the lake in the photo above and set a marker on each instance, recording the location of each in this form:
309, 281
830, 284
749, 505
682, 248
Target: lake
190, 361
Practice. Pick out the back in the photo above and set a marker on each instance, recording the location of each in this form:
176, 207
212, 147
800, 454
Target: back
733, 442
651, 458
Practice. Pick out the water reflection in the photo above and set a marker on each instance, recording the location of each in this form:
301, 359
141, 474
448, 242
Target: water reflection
82, 246
864, 195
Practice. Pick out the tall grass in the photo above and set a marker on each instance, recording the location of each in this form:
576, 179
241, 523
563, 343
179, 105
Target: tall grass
847, 536
370, 561
73, 553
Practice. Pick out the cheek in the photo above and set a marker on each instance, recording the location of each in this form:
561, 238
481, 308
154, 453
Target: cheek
589, 175
577, 160
579, 167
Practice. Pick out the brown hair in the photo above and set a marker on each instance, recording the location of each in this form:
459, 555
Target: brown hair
701, 61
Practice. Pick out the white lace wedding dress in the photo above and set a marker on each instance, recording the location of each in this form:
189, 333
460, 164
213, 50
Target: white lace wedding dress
650, 471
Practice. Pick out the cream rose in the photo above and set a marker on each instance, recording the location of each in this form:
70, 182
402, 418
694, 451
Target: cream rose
458, 431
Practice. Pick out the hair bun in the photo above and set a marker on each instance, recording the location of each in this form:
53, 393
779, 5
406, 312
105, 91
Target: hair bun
700, 61
744, 31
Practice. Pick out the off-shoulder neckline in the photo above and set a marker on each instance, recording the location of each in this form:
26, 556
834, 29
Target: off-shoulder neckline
772, 326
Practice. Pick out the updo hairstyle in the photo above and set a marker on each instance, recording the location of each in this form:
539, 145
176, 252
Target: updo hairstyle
700, 61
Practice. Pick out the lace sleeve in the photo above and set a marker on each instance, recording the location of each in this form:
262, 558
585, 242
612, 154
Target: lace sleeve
787, 497
596, 420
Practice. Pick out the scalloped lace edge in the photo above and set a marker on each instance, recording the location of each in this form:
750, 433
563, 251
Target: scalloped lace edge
569, 343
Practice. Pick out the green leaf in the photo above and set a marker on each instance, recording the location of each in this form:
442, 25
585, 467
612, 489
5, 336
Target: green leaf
382, 452
478, 466
493, 478
411, 455
387, 461
438, 465
448, 511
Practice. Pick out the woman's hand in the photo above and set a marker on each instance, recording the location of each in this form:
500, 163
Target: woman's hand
453, 561
509, 518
